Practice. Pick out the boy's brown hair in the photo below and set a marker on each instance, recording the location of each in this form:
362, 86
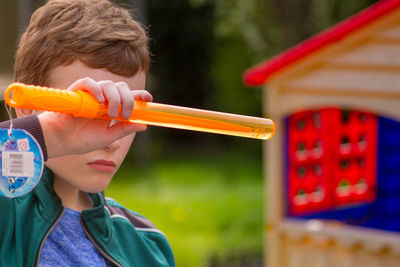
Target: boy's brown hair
97, 32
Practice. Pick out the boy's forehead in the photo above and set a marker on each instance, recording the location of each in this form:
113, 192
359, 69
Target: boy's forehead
63, 76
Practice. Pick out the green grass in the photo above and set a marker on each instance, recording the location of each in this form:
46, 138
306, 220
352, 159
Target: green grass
209, 206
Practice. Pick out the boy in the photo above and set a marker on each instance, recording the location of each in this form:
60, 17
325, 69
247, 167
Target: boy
95, 46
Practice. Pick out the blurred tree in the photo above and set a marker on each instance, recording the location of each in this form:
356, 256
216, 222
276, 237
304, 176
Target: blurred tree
14, 17
181, 45
247, 32
8, 32
182, 39
140, 8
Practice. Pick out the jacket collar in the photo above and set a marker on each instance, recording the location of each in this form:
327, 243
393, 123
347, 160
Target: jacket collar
97, 219
50, 205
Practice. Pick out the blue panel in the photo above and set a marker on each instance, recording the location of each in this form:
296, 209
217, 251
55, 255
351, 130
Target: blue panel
387, 205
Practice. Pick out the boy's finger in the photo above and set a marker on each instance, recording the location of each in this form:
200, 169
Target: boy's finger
142, 95
127, 99
112, 96
139, 127
89, 85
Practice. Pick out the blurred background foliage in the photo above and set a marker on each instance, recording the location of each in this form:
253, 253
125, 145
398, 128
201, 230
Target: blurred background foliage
204, 191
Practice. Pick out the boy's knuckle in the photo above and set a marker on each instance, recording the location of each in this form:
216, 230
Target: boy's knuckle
122, 84
108, 83
86, 80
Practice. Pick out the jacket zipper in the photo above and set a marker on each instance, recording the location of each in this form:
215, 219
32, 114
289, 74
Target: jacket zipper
46, 235
98, 247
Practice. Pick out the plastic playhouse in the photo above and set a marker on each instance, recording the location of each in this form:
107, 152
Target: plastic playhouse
332, 171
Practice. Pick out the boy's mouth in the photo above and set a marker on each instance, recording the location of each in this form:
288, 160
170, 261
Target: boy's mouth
103, 165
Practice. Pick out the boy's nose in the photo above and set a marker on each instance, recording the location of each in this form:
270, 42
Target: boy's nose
113, 146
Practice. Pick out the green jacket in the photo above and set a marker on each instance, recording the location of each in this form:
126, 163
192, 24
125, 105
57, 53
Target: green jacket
123, 237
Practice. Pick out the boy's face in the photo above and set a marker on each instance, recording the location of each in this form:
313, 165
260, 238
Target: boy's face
91, 172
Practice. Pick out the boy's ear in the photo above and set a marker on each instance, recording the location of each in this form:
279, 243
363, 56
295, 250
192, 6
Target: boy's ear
22, 112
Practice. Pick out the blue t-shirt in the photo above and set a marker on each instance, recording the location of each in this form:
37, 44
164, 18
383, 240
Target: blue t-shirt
68, 245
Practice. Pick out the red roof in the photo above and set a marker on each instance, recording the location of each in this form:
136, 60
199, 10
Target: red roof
259, 74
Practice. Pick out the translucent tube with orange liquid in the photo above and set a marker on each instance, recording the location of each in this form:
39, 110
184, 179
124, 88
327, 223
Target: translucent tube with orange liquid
82, 104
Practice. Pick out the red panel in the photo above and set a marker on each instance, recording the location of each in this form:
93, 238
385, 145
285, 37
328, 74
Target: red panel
331, 159
309, 168
356, 158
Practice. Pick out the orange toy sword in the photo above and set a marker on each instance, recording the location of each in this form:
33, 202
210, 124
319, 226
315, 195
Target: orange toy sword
82, 104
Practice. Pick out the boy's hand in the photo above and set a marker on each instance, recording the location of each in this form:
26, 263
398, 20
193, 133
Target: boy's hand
65, 134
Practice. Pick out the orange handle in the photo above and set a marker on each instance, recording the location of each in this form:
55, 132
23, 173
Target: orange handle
82, 104
79, 103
